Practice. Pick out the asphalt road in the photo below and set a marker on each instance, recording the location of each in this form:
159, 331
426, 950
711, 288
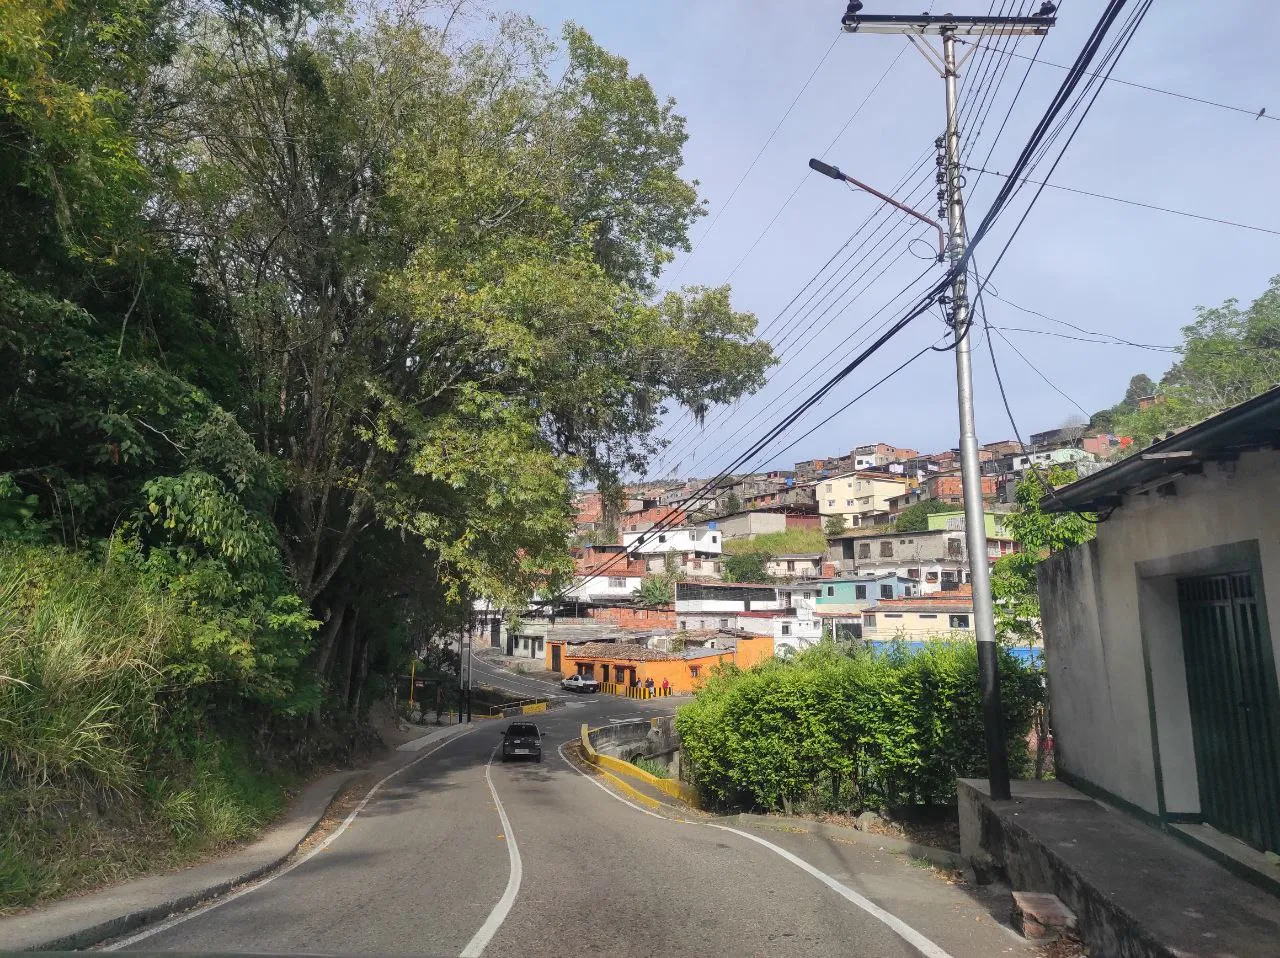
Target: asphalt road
434, 865
485, 672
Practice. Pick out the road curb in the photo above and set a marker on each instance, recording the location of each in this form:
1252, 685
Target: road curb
935, 856
87, 920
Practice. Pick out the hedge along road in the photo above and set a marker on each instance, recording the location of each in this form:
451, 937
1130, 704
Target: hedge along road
428, 868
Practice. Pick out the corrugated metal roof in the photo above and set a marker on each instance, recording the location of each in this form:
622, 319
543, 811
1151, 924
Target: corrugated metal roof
1250, 425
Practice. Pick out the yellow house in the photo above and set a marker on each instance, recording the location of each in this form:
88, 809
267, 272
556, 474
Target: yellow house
859, 498
917, 617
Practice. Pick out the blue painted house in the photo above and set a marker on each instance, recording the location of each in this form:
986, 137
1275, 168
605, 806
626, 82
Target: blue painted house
838, 603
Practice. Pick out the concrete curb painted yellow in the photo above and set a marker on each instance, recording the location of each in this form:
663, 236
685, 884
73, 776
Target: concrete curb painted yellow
628, 790
607, 764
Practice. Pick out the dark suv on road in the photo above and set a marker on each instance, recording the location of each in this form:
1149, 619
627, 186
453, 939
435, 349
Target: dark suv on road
522, 740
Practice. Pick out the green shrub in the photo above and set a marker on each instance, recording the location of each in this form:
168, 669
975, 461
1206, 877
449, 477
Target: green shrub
831, 731
112, 760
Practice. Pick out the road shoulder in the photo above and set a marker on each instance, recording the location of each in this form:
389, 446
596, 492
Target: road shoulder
92, 918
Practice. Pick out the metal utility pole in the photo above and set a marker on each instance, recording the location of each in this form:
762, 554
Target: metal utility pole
947, 27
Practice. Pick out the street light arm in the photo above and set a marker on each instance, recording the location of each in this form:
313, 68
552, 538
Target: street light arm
826, 169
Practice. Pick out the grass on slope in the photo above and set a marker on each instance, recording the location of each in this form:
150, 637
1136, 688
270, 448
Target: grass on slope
786, 542
103, 771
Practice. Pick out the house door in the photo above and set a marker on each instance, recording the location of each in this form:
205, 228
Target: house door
1235, 706
555, 658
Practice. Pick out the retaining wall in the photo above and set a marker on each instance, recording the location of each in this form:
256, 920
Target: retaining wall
612, 747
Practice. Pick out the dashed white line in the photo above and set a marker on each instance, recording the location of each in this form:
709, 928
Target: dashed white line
896, 924
476, 946
346, 823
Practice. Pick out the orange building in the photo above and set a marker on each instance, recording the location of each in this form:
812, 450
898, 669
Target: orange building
627, 665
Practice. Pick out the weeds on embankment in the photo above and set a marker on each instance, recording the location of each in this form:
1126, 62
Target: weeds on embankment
104, 769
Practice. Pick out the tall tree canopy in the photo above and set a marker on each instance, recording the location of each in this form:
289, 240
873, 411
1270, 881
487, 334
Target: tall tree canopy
319, 309
1229, 354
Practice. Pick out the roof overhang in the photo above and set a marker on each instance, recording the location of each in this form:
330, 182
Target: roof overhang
1252, 425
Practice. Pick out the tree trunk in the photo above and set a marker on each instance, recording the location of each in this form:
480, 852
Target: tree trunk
361, 674
347, 658
324, 650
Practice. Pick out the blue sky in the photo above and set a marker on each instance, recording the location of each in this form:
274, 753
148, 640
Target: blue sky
733, 68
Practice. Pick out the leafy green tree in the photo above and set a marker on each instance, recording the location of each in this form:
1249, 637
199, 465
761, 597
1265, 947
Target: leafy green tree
1038, 532
657, 590
746, 567
915, 518
460, 318
1013, 578
834, 526
732, 504
1140, 386
1229, 355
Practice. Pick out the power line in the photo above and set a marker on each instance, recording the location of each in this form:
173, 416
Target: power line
1012, 103
1063, 322
974, 98
1083, 339
804, 179
1113, 56
1038, 137
1120, 199
1256, 114
824, 292
1033, 366
756, 159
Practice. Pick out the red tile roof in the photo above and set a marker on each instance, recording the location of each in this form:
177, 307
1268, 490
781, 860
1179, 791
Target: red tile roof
626, 653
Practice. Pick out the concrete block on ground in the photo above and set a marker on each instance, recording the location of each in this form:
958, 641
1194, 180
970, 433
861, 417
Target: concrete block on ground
1041, 916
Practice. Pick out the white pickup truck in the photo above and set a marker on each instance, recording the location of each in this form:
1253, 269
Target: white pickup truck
578, 683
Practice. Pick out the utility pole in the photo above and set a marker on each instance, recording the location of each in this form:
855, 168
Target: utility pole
951, 199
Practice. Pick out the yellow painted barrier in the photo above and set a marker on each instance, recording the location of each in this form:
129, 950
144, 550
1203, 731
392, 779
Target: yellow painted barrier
633, 691
677, 790
531, 709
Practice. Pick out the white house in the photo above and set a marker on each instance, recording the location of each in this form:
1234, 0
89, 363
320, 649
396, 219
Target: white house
691, 564
708, 597
794, 629
1019, 463
681, 539
606, 579
1160, 646
795, 566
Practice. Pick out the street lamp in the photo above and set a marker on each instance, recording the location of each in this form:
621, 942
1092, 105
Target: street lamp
826, 169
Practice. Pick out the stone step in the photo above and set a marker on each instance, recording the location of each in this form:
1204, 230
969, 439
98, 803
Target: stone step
1041, 916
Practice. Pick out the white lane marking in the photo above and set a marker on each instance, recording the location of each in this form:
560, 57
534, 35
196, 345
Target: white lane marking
476, 946
346, 823
510, 681
896, 924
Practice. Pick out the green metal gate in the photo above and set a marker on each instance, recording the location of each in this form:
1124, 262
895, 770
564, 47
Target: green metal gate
1235, 706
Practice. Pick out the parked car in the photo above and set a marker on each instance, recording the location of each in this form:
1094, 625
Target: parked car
522, 740
580, 683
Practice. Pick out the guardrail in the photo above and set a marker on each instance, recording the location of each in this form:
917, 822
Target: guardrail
633, 691
519, 707
677, 790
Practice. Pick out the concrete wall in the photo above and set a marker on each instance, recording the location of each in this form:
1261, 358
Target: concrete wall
1113, 642
740, 525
